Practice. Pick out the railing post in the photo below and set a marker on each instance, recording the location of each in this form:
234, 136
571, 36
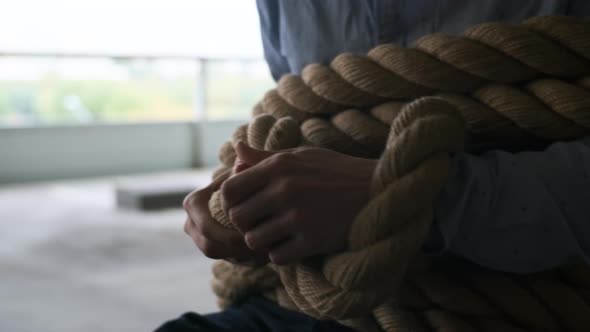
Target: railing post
200, 102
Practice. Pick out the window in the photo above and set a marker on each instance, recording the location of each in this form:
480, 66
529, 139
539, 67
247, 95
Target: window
110, 61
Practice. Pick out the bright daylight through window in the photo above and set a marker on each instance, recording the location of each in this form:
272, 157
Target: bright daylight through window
110, 61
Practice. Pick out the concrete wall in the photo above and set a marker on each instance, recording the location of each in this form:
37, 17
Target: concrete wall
46, 153
211, 136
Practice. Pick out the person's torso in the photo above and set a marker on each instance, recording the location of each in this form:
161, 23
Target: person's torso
311, 31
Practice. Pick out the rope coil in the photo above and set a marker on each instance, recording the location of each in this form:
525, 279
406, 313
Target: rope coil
496, 86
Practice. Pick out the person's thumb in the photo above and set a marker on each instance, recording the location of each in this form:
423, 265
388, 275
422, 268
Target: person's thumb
247, 156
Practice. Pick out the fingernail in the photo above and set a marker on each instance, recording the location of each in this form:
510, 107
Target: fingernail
248, 241
239, 166
274, 259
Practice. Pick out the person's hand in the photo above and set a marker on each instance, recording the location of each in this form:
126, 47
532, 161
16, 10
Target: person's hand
297, 203
211, 238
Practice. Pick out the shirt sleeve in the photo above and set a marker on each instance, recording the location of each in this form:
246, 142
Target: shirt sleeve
297, 33
521, 212
268, 12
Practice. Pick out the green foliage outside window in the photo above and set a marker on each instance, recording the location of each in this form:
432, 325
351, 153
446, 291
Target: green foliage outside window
145, 95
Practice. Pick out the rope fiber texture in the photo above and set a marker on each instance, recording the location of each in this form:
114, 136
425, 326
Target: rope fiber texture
494, 87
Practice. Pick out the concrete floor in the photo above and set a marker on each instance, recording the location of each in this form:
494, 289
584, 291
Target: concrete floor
71, 261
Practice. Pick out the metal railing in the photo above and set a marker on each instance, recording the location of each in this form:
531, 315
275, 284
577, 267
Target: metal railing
201, 102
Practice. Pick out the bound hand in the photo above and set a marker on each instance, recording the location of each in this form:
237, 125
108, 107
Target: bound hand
211, 238
296, 203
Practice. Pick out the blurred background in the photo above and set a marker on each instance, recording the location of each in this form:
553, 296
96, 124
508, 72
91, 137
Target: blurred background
111, 111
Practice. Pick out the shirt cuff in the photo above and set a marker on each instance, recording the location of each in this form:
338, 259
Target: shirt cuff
446, 205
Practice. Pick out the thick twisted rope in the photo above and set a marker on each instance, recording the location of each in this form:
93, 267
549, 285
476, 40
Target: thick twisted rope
487, 53
525, 85
418, 172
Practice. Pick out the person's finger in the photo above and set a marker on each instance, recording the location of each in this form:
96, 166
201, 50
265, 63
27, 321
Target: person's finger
239, 166
254, 210
206, 192
249, 155
188, 224
218, 250
269, 234
288, 252
207, 247
211, 248
210, 229
197, 207
244, 184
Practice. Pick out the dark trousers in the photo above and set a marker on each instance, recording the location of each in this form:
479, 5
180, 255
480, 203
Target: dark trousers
254, 315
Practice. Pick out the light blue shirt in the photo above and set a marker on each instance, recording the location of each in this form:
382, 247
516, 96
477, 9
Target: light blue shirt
296, 33
520, 212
